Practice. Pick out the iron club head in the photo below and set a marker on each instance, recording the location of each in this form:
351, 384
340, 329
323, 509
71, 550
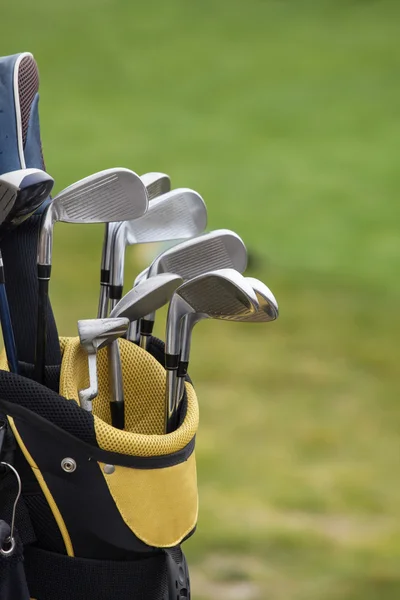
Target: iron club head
111, 195
150, 294
177, 215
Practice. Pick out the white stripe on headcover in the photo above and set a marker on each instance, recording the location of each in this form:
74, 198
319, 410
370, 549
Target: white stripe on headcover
18, 108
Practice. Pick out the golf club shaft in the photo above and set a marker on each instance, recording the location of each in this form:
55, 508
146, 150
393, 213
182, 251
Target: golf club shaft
116, 386
185, 343
170, 395
102, 311
133, 332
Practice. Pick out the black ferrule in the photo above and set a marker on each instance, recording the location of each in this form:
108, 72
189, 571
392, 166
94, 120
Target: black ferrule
183, 368
117, 414
44, 271
104, 276
146, 327
115, 292
2, 275
171, 361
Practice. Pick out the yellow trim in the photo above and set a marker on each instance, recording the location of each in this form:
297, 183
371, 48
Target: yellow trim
53, 506
160, 506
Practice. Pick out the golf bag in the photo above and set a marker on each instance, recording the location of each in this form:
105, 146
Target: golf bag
87, 511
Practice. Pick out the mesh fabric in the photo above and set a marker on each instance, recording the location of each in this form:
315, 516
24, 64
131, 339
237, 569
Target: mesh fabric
144, 392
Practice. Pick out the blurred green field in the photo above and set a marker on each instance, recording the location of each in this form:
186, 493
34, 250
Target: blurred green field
285, 116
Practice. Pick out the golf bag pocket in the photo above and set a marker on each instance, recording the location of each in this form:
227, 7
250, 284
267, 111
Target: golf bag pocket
112, 493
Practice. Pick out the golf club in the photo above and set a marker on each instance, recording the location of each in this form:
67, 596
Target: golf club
21, 193
221, 294
219, 249
111, 195
266, 312
156, 184
95, 334
150, 294
178, 215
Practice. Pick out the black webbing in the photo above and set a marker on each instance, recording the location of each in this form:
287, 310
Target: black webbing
56, 577
19, 249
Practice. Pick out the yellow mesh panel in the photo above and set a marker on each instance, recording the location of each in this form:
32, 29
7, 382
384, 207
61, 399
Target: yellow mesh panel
144, 392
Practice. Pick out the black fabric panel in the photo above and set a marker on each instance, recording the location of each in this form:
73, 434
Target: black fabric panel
43, 524
37, 398
8, 494
52, 374
56, 577
13, 584
93, 521
42, 426
19, 249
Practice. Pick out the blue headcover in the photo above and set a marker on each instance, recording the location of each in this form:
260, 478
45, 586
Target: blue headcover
20, 147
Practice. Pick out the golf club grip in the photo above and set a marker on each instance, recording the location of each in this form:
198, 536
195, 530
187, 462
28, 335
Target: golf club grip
6, 327
41, 333
19, 250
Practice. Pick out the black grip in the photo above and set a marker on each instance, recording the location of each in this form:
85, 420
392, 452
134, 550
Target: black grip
117, 414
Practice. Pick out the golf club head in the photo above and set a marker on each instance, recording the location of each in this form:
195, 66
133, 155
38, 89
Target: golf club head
218, 249
22, 192
221, 294
111, 195
95, 334
150, 294
178, 215
156, 184
267, 311
268, 306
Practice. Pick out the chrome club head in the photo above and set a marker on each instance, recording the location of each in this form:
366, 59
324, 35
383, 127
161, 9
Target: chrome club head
22, 192
149, 294
177, 215
156, 184
222, 294
268, 306
219, 249
111, 195
95, 334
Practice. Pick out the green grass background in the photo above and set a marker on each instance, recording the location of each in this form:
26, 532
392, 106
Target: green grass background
285, 116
